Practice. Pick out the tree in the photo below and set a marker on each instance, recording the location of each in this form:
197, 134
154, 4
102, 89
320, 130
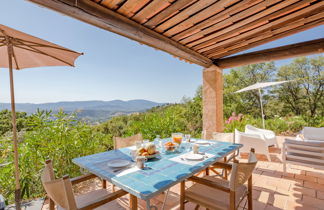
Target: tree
305, 95
238, 78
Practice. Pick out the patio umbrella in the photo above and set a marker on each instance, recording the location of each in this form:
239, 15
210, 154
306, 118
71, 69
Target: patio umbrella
258, 86
18, 51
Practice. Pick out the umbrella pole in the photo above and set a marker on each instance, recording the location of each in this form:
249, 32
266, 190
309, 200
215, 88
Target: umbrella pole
261, 105
14, 130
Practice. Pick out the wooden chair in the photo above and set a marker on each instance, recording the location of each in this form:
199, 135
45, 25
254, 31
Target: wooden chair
224, 137
215, 193
60, 192
120, 142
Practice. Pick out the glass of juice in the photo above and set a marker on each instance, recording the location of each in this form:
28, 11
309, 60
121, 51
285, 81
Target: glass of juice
177, 138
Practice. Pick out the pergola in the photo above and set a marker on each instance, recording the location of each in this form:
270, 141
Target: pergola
205, 32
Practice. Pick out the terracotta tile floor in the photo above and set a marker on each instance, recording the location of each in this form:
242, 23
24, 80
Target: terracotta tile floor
300, 188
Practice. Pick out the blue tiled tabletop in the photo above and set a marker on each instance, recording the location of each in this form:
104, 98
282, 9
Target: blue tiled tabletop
159, 175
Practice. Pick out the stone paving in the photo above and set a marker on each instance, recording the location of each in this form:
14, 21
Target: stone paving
301, 188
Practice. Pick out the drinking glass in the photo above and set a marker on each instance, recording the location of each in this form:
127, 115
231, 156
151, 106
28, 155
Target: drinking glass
177, 138
187, 137
145, 141
138, 144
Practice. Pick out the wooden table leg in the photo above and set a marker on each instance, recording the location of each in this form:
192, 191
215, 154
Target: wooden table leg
132, 202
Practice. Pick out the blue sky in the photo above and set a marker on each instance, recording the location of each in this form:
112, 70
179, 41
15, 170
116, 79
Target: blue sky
112, 67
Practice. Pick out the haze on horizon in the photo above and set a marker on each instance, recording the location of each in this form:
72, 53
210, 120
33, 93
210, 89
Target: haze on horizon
112, 67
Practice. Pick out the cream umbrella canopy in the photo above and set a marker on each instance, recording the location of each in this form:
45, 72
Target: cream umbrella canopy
258, 86
19, 50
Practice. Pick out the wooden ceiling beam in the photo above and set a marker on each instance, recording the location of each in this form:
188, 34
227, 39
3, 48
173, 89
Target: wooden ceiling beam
278, 53
92, 13
266, 38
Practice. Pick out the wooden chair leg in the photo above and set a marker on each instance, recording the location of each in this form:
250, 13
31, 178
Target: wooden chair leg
250, 199
225, 170
104, 184
182, 195
232, 200
207, 172
51, 204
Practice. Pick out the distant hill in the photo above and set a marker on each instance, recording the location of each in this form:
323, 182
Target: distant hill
95, 111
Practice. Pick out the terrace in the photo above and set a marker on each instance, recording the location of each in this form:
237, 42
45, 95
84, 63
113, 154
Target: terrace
301, 188
210, 33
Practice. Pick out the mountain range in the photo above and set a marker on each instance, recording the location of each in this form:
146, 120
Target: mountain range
95, 111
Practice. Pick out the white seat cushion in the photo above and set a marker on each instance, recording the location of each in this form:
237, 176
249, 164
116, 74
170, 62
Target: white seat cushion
213, 198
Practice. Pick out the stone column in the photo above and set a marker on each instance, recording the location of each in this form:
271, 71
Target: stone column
213, 117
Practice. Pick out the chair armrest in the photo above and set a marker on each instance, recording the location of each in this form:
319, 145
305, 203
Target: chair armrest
222, 165
208, 183
82, 178
98, 202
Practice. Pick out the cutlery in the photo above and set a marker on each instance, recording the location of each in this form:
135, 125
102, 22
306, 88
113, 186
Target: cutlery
120, 169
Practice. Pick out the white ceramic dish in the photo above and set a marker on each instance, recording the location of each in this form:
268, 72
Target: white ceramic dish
118, 163
194, 157
202, 142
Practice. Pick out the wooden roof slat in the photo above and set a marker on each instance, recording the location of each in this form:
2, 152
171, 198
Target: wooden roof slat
280, 22
203, 14
233, 21
130, 7
150, 10
215, 19
273, 35
109, 20
184, 14
262, 16
197, 31
172, 9
112, 4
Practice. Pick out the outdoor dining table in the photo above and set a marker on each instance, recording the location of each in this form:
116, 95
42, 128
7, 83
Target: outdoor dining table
159, 173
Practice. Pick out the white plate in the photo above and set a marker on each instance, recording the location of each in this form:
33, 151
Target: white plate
118, 163
195, 157
202, 142
192, 140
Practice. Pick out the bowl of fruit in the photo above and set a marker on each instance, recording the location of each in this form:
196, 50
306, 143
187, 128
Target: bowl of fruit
171, 146
148, 150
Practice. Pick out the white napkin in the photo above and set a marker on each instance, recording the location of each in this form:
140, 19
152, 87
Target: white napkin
126, 171
182, 158
123, 171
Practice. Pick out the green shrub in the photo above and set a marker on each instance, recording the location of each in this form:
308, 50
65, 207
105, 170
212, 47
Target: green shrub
58, 137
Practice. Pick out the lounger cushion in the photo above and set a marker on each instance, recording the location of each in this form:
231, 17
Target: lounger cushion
312, 143
312, 133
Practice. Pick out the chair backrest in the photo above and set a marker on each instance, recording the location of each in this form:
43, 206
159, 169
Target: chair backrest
312, 133
241, 136
241, 172
120, 142
59, 190
225, 137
